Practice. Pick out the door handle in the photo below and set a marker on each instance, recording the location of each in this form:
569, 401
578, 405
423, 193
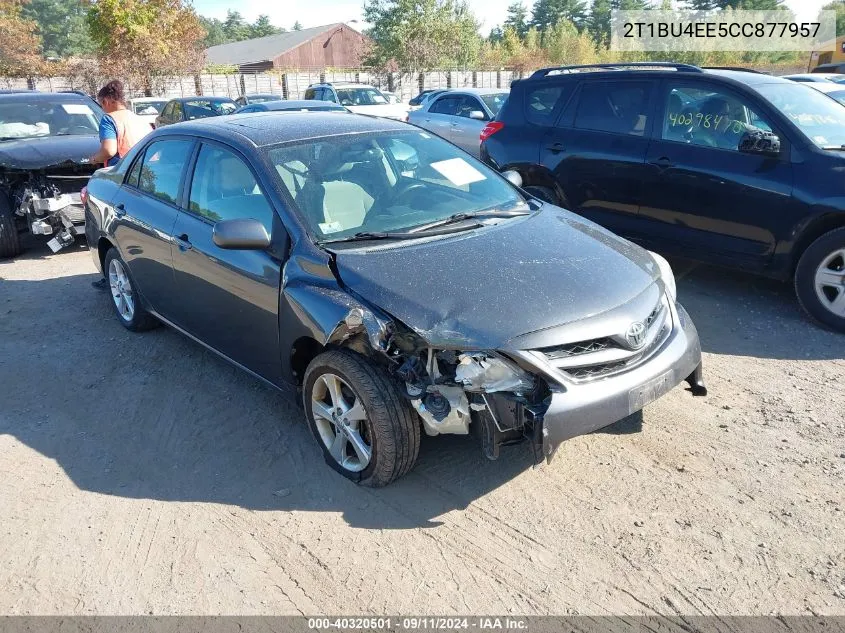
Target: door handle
663, 162
183, 242
119, 210
555, 148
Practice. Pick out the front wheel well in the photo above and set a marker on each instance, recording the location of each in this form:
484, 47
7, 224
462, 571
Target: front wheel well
304, 350
103, 247
814, 231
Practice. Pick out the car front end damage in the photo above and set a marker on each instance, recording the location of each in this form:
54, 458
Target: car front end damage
603, 369
47, 201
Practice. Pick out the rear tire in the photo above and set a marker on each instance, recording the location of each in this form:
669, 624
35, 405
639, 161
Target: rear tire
125, 299
10, 245
820, 280
365, 426
543, 193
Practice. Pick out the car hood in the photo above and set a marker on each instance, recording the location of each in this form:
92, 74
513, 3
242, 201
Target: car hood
388, 110
486, 288
47, 151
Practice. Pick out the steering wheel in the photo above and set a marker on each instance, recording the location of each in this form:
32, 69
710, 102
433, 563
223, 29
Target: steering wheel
77, 129
404, 190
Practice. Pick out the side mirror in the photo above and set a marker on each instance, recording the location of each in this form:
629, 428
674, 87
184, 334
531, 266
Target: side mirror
759, 142
247, 235
513, 177
478, 115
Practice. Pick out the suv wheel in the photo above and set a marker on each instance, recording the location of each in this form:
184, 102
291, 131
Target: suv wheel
10, 245
820, 279
543, 193
366, 427
125, 299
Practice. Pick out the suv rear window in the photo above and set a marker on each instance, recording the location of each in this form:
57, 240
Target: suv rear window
540, 103
620, 107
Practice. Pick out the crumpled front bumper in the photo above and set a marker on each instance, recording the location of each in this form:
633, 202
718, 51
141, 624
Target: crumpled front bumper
585, 407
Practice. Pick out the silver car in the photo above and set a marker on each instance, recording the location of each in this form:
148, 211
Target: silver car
460, 115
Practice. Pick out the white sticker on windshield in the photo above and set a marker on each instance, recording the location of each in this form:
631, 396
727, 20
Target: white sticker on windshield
458, 171
330, 227
76, 108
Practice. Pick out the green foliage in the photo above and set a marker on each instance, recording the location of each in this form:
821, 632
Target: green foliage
598, 24
839, 7
547, 13
62, 27
235, 28
419, 35
297, 26
517, 19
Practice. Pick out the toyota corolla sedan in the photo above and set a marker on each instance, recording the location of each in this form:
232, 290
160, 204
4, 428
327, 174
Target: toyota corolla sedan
394, 283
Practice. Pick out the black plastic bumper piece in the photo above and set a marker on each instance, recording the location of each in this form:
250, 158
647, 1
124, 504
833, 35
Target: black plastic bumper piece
696, 382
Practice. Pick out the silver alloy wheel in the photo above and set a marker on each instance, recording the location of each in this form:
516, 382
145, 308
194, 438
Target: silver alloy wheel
341, 422
121, 290
830, 282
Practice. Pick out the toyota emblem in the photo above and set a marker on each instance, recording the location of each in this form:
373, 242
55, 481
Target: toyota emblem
636, 335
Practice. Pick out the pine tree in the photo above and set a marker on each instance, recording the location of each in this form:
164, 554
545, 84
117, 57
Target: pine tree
599, 21
517, 18
547, 13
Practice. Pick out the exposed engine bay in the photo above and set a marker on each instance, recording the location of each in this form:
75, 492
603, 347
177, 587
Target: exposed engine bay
454, 390
47, 201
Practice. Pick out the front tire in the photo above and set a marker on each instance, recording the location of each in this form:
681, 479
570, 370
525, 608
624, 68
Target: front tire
125, 299
363, 423
820, 280
10, 245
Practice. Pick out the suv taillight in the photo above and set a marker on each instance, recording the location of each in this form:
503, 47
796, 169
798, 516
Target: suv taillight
490, 129
83, 195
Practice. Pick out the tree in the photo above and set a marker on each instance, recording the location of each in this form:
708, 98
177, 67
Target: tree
420, 35
146, 41
61, 26
598, 24
548, 13
214, 33
235, 27
297, 26
20, 45
839, 7
262, 27
517, 19
496, 35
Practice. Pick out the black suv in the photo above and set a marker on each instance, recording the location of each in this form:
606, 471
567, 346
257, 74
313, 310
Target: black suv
729, 167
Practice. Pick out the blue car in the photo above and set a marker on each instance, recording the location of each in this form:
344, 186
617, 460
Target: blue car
291, 106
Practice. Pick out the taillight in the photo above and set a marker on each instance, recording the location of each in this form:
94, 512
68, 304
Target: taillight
490, 129
83, 195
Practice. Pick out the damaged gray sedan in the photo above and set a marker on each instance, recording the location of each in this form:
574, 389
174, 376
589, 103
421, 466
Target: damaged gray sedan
398, 285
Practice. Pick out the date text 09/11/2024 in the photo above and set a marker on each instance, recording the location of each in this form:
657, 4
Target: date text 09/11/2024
419, 623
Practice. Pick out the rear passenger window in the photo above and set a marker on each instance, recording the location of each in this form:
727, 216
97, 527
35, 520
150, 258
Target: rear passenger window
540, 104
310, 94
224, 188
161, 172
620, 107
446, 105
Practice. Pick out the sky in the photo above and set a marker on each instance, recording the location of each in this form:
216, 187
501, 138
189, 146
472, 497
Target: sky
310, 13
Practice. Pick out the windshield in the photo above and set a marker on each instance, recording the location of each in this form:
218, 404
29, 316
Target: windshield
839, 95
387, 182
149, 107
201, 109
43, 118
820, 118
495, 101
262, 99
360, 96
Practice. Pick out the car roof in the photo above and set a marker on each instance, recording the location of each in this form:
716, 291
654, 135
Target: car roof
261, 94
200, 98
270, 128
342, 84
739, 75
476, 91
293, 104
825, 86
149, 99
32, 95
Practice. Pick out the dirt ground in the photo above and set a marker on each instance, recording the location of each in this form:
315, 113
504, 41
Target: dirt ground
141, 474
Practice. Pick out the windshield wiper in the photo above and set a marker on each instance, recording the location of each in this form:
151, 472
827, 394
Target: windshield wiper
387, 235
461, 217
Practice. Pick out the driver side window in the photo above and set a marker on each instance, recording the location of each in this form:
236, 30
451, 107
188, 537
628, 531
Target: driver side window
708, 118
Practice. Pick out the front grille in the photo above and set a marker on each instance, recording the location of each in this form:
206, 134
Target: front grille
604, 356
577, 349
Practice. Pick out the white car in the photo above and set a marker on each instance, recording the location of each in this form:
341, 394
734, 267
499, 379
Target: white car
358, 98
832, 90
148, 108
815, 78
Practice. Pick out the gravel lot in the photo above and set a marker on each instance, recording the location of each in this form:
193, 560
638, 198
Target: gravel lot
140, 474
